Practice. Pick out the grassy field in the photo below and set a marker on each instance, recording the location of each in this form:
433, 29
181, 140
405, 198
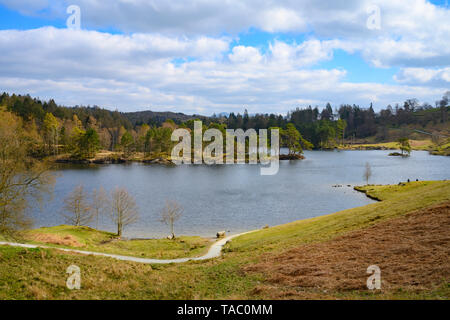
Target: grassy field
418, 145
415, 145
443, 150
40, 273
88, 239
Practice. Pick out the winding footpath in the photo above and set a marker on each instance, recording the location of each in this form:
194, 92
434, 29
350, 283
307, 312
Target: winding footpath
214, 251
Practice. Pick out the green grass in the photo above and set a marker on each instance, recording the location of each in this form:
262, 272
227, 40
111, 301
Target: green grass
443, 150
40, 274
398, 200
417, 145
100, 241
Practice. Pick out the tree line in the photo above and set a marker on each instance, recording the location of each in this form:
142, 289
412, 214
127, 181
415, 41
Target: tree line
83, 131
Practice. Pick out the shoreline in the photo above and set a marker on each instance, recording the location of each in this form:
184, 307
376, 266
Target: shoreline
107, 157
362, 190
165, 160
214, 251
252, 265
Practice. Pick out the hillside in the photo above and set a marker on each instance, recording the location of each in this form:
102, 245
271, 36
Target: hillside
271, 263
157, 118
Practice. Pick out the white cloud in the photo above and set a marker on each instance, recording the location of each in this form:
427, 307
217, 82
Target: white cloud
280, 19
59, 53
414, 33
305, 54
140, 71
422, 76
246, 55
175, 56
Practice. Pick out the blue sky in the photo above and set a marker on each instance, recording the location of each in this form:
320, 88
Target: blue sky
211, 57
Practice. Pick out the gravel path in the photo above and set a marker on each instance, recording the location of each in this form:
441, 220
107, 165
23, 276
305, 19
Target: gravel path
214, 251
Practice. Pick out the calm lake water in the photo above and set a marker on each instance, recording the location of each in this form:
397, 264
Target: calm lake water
237, 198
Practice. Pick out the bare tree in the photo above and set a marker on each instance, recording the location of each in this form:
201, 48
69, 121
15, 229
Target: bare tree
99, 205
79, 212
437, 138
21, 178
367, 172
171, 213
124, 210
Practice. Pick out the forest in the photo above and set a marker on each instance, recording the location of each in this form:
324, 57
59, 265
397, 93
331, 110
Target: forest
84, 130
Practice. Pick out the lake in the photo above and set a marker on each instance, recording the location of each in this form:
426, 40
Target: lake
236, 198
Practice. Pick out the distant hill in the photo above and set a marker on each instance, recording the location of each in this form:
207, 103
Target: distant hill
154, 117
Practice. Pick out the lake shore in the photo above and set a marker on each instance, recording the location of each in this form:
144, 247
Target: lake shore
416, 145
109, 157
116, 157
254, 265
221, 189
89, 239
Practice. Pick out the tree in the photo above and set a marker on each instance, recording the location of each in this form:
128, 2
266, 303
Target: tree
99, 201
437, 138
141, 137
127, 143
51, 132
341, 125
78, 210
124, 210
159, 140
170, 214
443, 106
404, 146
367, 172
85, 143
327, 113
21, 178
90, 143
325, 133
291, 139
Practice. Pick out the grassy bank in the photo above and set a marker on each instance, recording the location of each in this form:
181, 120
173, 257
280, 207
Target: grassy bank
110, 157
417, 145
443, 150
40, 273
88, 239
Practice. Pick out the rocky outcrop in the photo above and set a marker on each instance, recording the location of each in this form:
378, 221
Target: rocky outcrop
291, 157
221, 234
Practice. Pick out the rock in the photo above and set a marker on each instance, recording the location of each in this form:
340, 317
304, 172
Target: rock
398, 154
221, 234
266, 226
291, 157
171, 237
158, 161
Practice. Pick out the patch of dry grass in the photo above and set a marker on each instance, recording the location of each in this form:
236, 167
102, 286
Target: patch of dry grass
412, 251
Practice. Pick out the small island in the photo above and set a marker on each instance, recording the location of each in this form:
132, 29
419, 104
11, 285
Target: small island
405, 148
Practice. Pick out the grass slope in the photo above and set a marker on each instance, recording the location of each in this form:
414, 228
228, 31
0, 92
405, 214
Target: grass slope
88, 239
40, 274
418, 145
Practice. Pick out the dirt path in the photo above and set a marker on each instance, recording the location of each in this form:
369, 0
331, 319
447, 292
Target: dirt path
214, 251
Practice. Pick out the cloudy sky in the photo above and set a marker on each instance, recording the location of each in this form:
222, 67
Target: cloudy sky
211, 56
